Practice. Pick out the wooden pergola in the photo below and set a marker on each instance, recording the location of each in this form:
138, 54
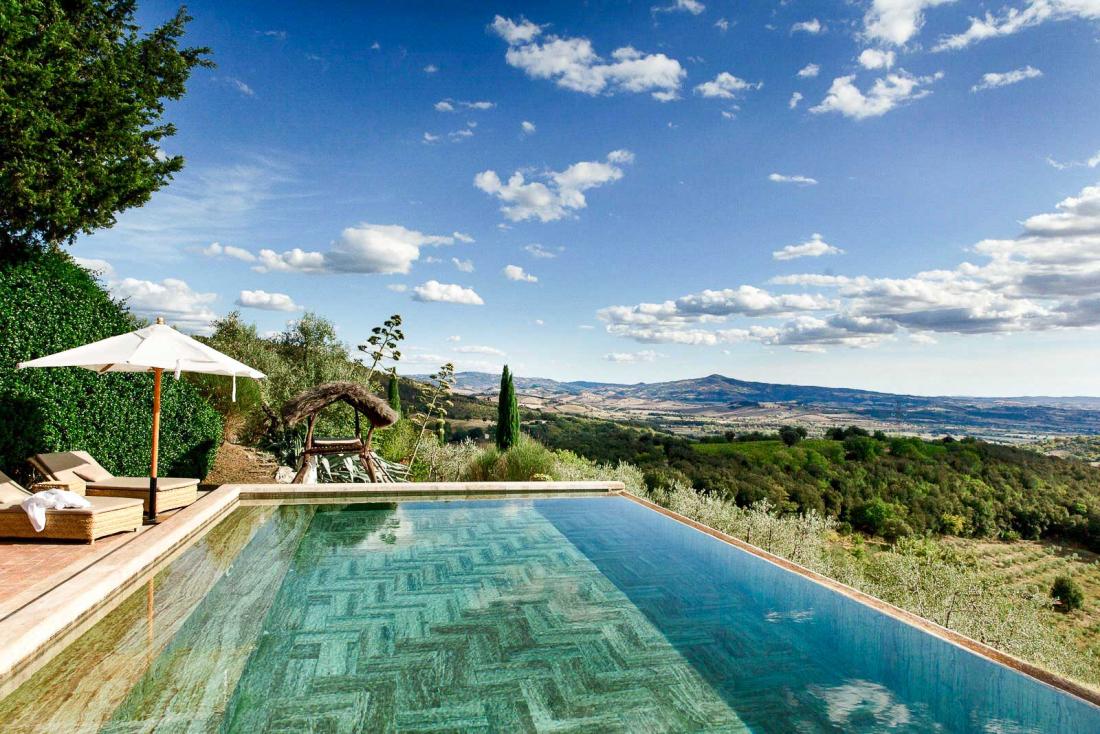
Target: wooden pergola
308, 404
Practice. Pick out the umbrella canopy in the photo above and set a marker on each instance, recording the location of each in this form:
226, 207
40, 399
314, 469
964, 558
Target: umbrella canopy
153, 349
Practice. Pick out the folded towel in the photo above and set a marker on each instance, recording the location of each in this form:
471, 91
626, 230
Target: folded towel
52, 499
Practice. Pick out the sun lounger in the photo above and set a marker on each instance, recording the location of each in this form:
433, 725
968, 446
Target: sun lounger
67, 466
106, 516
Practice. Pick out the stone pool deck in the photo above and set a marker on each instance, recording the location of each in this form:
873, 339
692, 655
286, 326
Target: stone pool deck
50, 593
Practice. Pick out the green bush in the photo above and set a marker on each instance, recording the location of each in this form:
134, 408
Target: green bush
526, 459
1068, 592
48, 304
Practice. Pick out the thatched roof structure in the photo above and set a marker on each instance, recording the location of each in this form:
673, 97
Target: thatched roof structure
311, 402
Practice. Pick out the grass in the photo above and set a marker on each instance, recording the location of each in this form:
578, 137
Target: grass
1033, 565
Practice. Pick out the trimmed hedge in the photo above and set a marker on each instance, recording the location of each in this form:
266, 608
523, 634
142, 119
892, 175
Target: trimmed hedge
48, 303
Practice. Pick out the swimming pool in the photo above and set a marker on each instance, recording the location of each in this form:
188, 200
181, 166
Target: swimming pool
571, 614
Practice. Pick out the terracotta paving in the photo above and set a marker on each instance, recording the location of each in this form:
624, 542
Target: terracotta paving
29, 568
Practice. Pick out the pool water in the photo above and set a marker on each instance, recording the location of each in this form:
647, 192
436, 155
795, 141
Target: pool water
578, 614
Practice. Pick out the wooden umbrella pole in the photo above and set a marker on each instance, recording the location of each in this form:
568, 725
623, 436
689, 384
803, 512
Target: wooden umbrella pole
157, 372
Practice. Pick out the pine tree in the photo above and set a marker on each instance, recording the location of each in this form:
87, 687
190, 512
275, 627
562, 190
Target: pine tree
394, 395
507, 412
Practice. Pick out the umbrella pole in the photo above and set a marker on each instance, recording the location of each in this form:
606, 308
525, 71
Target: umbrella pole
157, 372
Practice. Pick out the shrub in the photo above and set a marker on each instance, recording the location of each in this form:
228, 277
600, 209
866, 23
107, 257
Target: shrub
882, 518
790, 435
1067, 593
526, 459
48, 304
861, 448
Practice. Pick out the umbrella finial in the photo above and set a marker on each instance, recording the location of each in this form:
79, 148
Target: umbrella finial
160, 320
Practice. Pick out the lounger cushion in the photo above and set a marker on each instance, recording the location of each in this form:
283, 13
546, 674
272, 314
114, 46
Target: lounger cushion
163, 483
10, 491
93, 473
99, 504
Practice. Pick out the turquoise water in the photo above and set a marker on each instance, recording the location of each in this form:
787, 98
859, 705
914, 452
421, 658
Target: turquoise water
579, 614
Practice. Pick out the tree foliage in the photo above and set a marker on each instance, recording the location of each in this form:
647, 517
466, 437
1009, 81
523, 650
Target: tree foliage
49, 304
508, 420
394, 393
82, 95
1067, 593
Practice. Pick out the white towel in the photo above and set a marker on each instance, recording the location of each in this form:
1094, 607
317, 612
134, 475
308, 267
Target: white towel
52, 499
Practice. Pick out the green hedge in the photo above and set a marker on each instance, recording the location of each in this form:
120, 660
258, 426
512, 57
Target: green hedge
47, 304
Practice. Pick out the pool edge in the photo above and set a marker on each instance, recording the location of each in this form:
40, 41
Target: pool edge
992, 654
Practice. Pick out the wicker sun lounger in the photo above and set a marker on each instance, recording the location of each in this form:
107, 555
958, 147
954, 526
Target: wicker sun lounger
67, 466
106, 516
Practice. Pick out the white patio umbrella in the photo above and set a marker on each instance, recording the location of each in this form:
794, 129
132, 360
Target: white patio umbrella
153, 349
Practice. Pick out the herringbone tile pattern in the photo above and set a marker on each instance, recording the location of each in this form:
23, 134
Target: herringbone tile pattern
479, 617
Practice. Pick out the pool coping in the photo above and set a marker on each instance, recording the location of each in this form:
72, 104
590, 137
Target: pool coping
34, 633
1065, 685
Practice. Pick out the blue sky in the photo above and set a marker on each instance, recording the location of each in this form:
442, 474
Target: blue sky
891, 194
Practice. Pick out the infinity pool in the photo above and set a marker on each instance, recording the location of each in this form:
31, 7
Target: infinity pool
578, 614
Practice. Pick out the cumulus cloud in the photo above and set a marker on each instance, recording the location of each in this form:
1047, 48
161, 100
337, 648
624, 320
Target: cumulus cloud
97, 266
366, 248
722, 24
267, 301
573, 64
725, 86
795, 99
896, 21
646, 355
993, 79
873, 58
558, 194
812, 26
464, 266
682, 6
885, 94
515, 272
813, 247
809, 71
431, 69
799, 180
527, 127
435, 292
216, 249
1014, 20
450, 105
172, 298
478, 349
540, 252
1045, 279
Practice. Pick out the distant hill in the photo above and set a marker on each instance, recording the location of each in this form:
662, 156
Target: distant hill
1029, 414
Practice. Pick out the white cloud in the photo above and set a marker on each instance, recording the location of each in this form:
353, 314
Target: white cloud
1091, 162
450, 105
366, 248
814, 247
1045, 279
528, 128
216, 249
515, 33
885, 94
515, 272
267, 301
458, 136
725, 86
812, 26
464, 266
809, 71
431, 69
172, 298
993, 79
462, 237
646, 355
454, 338
722, 24
795, 99
538, 251
429, 138
799, 180
1014, 20
397, 287
240, 86
97, 266
435, 292
562, 193
277, 35
686, 6
573, 64
478, 349
873, 58
896, 21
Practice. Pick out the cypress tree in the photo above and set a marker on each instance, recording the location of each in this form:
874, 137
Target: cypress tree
507, 412
394, 395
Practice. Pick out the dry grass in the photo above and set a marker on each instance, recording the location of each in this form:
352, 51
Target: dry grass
1034, 565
